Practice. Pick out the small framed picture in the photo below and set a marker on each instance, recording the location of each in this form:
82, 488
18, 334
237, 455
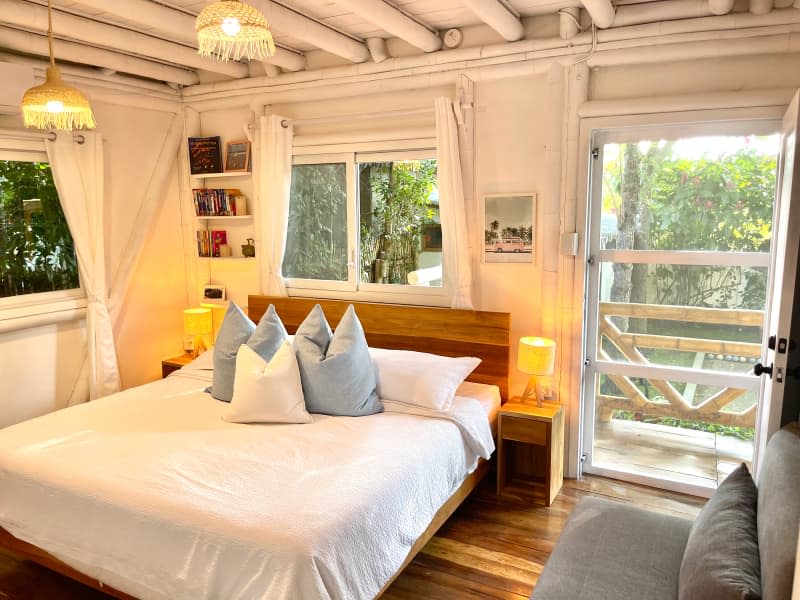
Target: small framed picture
205, 155
237, 156
509, 234
213, 293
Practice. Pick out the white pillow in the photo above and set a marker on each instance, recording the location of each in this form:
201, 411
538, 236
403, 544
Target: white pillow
267, 392
418, 378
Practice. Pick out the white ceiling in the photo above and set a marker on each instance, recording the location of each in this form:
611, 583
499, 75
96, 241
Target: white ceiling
150, 39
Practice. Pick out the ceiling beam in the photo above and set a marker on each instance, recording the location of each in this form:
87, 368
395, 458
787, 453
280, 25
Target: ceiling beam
29, 15
395, 22
498, 17
601, 11
33, 43
292, 23
179, 26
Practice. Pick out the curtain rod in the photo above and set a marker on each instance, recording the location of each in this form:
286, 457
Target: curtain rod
358, 117
38, 135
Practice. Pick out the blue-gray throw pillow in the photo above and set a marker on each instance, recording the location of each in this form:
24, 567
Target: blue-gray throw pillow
336, 370
238, 329
269, 334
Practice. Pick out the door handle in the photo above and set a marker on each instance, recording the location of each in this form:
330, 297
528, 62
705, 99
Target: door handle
760, 369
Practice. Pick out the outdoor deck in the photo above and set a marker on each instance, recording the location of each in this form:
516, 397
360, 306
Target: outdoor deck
680, 455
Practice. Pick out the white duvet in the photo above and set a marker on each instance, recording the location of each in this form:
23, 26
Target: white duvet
151, 492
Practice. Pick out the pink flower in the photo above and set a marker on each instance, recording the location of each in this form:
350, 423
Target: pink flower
696, 181
709, 204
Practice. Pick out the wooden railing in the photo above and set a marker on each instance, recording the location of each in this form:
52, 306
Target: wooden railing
672, 403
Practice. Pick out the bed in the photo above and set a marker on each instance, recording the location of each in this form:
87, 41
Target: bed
195, 510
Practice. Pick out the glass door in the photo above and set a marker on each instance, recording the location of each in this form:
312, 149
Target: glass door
680, 241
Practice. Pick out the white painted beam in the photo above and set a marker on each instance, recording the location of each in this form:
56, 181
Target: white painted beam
34, 17
723, 7
31, 43
498, 17
395, 22
377, 49
601, 11
180, 27
761, 7
313, 32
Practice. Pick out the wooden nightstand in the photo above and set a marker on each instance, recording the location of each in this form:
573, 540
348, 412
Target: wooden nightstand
173, 364
528, 424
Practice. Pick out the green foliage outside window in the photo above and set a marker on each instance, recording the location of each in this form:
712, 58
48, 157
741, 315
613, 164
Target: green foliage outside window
722, 204
316, 245
36, 248
395, 206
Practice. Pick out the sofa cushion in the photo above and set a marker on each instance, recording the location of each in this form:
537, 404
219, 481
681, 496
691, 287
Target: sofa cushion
721, 559
614, 551
779, 512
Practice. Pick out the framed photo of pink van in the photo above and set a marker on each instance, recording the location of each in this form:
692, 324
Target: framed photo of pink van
509, 232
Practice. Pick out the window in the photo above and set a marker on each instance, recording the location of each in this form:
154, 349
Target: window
365, 222
36, 249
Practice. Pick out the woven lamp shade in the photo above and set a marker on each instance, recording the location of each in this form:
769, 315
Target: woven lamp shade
55, 105
197, 321
232, 30
536, 356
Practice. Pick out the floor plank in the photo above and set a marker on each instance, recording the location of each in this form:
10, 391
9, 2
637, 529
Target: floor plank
491, 548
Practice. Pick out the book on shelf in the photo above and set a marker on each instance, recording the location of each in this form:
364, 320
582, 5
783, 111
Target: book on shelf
209, 242
219, 202
205, 155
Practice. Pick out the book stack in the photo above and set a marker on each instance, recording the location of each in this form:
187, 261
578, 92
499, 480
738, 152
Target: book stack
219, 202
209, 241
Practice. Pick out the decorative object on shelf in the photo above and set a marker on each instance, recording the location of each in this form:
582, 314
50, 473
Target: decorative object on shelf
509, 235
233, 30
53, 104
225, 251
536, 356
196, 324
213, 293
237, 156
205, 155
249, 249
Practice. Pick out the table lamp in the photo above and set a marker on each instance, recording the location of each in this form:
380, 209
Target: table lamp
537, 356
197, 323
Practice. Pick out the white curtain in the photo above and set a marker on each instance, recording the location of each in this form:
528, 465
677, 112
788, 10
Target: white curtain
78, 174
455, 241
273, 171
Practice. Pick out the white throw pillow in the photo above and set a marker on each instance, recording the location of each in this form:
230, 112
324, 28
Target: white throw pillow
267, 392
418, 378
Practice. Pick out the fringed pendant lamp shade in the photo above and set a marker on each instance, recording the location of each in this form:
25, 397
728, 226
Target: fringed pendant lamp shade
232, 30
53, 104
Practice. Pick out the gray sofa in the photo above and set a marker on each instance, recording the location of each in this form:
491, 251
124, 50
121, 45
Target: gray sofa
614, 551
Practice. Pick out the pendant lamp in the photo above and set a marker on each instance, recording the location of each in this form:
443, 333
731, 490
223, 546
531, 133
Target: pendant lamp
232, 30
55, 105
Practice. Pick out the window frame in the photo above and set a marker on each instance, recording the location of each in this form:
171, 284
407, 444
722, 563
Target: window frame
39, 308
353, 288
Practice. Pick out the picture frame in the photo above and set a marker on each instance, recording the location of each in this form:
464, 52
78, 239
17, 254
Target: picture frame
509, 234
237, 156
213, 293
205, 155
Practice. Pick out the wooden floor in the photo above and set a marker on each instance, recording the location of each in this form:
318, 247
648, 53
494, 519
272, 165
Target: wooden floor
681, 455
492, 547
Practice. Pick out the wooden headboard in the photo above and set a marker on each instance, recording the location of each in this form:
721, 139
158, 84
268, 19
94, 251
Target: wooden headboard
445, 331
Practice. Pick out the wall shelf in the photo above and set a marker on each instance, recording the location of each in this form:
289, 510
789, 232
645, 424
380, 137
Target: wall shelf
222, 175
226, 257
224, 218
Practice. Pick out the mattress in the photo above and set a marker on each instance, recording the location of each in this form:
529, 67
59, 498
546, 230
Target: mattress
151, 492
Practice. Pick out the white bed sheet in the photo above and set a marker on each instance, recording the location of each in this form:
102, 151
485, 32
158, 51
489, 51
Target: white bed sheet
151, 492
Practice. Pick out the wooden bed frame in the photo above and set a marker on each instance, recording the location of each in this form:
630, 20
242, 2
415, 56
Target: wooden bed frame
444, 331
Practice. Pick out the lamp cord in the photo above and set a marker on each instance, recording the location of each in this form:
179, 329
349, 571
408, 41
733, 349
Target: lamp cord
50, 31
